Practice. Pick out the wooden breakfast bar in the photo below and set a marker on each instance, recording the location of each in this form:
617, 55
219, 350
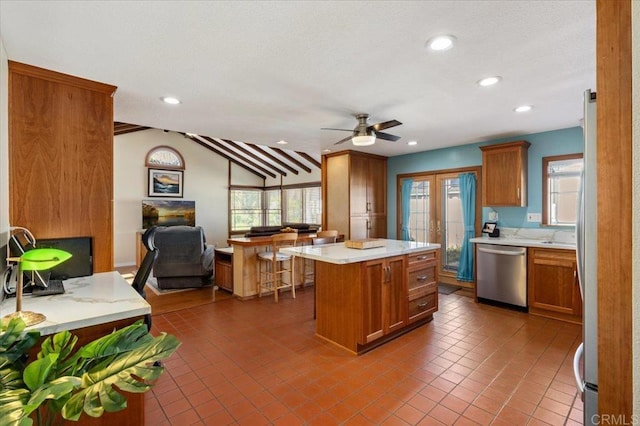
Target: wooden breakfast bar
245, 262
367, 297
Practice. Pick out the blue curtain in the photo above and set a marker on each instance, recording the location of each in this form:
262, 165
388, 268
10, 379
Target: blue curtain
407, 184
468, 199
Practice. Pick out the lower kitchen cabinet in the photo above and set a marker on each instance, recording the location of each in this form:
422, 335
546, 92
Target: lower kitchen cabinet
383, 297
554, 291
364, 304
422, 285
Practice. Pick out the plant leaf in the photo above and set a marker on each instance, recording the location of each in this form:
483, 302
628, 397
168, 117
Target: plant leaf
12, 405
123, 372
37, 372
13, 343
53, 390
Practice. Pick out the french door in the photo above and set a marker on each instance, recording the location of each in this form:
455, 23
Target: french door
436, 217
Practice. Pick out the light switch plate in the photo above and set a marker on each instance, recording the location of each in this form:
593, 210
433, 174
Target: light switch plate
534, 217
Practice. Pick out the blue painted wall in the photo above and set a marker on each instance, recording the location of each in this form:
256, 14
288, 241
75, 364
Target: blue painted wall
556, 142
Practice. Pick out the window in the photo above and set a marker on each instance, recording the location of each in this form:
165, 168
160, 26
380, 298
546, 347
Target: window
560, 185
272, 207
246, 209
302, 205
164, 157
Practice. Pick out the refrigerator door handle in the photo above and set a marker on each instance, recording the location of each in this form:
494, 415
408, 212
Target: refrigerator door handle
576, 367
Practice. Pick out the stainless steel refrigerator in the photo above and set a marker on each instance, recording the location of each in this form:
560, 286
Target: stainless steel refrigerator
587, 259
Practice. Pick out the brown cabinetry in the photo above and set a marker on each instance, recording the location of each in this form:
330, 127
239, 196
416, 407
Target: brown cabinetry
383, 297
223, 265
422, 285
504, 174
554, 291
61, 157
362, 305
354, 188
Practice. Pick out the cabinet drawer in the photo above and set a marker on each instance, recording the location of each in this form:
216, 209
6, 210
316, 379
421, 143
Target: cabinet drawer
421, 277
423, 306
424, 257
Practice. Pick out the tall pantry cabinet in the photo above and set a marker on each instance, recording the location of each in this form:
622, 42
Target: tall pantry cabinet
354, 193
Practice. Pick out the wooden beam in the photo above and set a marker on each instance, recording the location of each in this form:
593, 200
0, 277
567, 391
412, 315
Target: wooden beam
293, 160
615, 222
232, 152
252, 155
122, 128
309, 158
272, 157
225, 156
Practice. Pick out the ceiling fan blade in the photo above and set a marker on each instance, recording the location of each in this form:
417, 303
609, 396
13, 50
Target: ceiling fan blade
385, 125
348, 138
387, 136
331, 128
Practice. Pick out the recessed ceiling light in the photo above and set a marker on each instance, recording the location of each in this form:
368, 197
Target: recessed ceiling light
412, 143
523, 108
489, 81
326, 150
441, 43
170, 100
282, 142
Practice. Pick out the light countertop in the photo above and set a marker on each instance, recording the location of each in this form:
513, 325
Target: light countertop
525, 242
339, 254
87, 301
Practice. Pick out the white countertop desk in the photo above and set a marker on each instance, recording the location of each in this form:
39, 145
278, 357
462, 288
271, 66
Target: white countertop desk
339, 254
96, 299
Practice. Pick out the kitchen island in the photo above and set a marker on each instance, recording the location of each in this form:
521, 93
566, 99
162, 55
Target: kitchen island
367, 297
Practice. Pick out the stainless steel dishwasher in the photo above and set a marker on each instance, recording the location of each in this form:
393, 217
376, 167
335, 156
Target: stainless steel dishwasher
502, 274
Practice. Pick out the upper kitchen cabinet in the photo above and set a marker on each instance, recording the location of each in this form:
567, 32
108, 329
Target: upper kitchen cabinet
354, 193
504, 174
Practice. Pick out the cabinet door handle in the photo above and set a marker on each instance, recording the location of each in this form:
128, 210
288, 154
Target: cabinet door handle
422, 278
368, 206
421, 258
387, 274
422, 305
368, 224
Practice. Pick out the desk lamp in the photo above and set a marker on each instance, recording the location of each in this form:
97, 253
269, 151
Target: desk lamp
33, 260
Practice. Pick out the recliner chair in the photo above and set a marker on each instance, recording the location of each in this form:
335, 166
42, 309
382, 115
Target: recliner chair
184, 260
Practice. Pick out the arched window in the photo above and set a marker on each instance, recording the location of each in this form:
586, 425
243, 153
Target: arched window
164, 157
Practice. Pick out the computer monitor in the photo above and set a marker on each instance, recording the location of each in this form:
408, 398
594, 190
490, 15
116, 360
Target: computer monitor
81, 262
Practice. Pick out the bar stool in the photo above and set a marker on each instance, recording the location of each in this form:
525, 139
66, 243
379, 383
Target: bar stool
322, 237
272, 266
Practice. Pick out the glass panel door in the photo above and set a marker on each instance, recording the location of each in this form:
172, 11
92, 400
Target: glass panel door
421, 220
436, 217
449, 224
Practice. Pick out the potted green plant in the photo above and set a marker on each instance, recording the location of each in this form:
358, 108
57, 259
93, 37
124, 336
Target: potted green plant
64, 383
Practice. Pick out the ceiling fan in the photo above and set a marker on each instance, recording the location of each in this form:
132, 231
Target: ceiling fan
365, 134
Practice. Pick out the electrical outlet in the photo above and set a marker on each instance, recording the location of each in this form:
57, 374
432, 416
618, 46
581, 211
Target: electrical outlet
534, 217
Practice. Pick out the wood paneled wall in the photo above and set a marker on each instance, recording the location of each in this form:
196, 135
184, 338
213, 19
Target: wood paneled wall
61, 157
614, 136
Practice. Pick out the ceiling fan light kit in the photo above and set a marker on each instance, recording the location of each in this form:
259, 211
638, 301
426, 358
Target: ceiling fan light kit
364, 140
365, 134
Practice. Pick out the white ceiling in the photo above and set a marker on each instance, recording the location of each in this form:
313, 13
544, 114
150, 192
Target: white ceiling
266, 71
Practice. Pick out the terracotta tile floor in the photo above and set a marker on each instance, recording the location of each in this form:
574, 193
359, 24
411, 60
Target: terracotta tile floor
256, 362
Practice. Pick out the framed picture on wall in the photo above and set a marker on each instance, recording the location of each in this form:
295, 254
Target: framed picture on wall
165, 183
